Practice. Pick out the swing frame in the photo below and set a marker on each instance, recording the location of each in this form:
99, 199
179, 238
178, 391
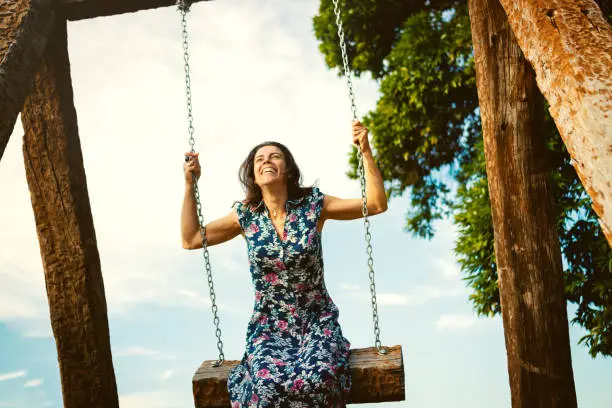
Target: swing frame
50, 126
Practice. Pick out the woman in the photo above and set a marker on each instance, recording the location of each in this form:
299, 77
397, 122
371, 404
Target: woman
296, 355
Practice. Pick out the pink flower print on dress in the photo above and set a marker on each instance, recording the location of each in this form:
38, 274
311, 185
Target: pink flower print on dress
284, 235
257, 295
282, 324
325, 315
293, 311
310, 215
254, 399
311, 238
280, 265
263, 373
261, 338
278, 363
263, 319
327, 332
235, 404
300, 287
292, 217
253, 229
297, 385
271, 278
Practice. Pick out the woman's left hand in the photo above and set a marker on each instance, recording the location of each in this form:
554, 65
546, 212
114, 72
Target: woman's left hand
360, 137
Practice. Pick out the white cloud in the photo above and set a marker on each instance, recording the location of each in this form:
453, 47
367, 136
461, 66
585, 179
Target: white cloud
12, 375
34, 383
153, 399
140, 351
456, 321
417, 296
349, 287
392, 299
167, 374
448, 268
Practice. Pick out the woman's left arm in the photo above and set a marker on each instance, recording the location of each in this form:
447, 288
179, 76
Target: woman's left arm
335, 208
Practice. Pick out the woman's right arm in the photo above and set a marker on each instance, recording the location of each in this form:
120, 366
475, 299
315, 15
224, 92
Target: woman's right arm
217, 231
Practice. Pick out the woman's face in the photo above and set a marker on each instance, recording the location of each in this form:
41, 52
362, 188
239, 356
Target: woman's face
269, 166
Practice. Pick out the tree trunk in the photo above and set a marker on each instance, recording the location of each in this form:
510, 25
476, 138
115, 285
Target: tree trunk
58, 189
527, 249
24, 26
569, 45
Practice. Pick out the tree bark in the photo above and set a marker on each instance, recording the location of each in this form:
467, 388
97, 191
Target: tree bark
82, 9
569, 45
58, 190
24, 26
527, 249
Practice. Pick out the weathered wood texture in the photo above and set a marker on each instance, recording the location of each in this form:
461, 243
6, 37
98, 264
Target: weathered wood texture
58, 190
375, 378
24, 26
82, 9
527, 249
569, 45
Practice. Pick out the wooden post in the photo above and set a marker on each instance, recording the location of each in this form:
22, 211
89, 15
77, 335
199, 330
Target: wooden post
569, 45
527, 249
58, 189
24, 26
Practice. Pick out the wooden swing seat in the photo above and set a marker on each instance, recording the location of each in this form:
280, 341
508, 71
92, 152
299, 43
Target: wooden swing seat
375, 378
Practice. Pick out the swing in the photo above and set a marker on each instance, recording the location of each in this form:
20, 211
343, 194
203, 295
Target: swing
377, 372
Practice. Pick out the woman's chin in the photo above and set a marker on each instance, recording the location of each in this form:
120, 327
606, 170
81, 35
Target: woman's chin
270, 182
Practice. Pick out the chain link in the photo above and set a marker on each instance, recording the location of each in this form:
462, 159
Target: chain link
183, 6
360, 169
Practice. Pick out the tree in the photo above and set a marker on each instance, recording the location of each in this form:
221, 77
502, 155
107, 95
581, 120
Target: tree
427, 138
519, 183
552, 33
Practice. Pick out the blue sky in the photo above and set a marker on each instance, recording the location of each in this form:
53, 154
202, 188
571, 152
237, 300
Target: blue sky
257, 75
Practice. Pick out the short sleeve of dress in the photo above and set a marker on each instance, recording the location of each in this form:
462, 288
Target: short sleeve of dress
316, 201
243, 213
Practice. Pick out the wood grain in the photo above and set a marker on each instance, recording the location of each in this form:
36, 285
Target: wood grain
569, 45
24, 27
527, 250
64, 224
83, 9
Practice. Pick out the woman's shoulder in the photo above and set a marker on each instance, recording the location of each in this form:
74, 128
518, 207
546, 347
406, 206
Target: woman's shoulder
244, 208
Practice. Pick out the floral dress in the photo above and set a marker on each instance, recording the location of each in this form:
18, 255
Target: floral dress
296, 355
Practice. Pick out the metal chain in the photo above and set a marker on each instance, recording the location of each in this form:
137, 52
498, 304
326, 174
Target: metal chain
183, 6
360, 169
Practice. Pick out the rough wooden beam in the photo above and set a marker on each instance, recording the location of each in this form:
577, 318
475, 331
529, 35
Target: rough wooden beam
82, 9
58, 190
24, 26
375, 378
527, 250
569, 45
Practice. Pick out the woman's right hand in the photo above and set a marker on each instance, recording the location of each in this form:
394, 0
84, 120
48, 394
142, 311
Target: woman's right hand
192, 167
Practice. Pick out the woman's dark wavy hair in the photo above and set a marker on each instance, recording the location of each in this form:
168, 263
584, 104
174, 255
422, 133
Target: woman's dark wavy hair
246, 175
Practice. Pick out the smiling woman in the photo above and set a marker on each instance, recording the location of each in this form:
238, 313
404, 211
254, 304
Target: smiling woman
295, 349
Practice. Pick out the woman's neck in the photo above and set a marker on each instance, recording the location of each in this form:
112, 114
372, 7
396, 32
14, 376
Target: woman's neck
274, 198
